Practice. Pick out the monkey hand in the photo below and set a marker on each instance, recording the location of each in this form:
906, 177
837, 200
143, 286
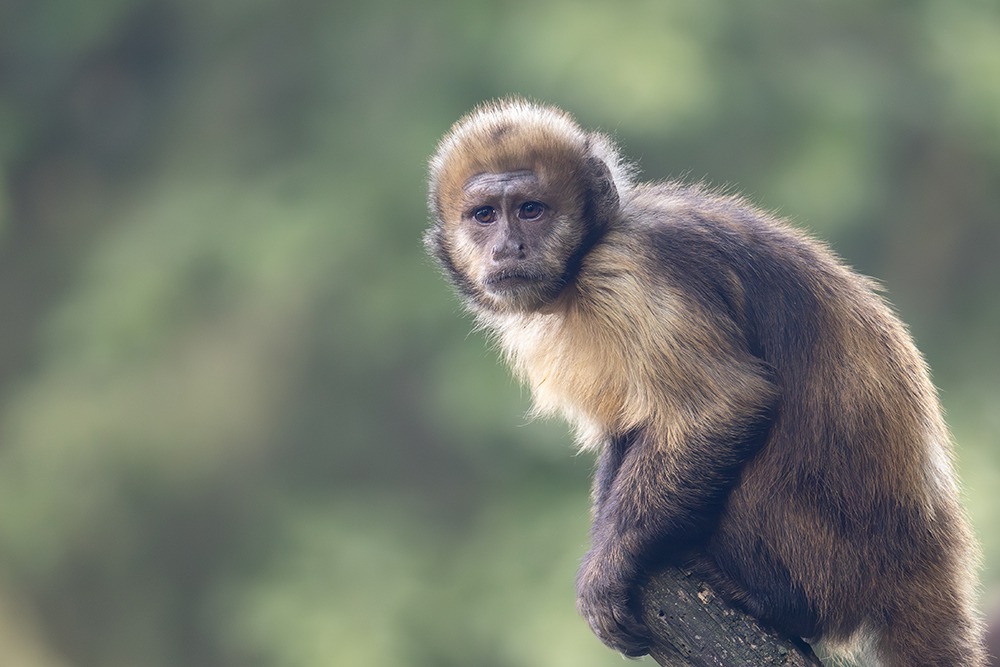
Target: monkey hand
604, 589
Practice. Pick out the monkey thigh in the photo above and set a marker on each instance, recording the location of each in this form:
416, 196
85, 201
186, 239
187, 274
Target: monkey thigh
774, 558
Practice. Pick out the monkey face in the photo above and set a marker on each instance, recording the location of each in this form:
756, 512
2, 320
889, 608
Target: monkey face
519, 193
511, 239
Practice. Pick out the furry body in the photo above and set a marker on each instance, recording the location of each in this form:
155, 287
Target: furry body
757, 408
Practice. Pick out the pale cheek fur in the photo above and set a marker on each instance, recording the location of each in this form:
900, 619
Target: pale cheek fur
467, 255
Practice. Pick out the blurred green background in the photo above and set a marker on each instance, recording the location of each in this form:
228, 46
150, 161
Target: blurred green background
242, 419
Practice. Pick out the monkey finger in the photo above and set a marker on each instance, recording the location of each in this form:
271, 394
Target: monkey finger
617, 627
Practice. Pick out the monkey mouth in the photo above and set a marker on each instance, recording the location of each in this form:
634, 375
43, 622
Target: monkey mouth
519, 290
507, 279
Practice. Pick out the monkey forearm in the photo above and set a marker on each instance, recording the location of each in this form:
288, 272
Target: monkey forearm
652, 501
660, 497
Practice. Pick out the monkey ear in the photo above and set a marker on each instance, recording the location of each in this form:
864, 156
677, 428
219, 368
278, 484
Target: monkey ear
602, 195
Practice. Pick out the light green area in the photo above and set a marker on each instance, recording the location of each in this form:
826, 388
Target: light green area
242, 419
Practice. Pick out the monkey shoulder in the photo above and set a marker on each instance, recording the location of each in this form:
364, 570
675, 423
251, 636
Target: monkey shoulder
678, 216
706, 248
722, 242
769, 284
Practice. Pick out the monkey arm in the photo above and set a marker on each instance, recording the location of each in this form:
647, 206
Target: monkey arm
654, 499
664, 494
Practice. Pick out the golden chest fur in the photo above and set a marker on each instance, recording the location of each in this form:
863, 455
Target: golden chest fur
615, 353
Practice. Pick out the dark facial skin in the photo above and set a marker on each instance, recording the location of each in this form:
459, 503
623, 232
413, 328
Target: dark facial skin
512, 221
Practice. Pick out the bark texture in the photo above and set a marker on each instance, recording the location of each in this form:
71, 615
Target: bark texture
693, 627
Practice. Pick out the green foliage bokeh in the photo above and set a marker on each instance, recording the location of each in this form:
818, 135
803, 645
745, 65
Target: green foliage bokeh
243, 420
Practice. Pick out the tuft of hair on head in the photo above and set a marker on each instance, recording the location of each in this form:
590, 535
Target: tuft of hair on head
513, 134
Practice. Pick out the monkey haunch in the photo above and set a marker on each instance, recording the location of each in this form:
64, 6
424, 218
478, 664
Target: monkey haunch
758, 409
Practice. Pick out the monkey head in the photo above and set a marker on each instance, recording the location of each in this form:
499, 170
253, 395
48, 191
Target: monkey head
519, 193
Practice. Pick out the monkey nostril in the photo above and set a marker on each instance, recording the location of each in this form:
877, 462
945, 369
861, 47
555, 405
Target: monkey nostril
507, 251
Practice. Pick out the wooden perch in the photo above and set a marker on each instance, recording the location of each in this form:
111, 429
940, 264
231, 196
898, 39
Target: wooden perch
693, 627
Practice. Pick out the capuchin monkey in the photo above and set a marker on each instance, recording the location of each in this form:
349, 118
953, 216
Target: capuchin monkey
758, 410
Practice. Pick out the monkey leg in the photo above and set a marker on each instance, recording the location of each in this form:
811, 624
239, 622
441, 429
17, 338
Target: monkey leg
930, 631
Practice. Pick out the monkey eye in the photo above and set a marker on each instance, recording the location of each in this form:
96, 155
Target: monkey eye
484, 215
531, 210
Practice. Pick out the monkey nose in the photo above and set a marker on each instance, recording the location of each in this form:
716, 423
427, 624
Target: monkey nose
508, 250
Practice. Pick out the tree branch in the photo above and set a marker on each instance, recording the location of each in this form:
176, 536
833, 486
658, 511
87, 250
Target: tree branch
693, 627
